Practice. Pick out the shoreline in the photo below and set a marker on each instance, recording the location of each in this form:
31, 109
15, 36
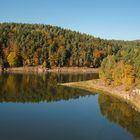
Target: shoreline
39, 69
131, 97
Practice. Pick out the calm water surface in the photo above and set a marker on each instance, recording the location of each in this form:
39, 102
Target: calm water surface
34, 107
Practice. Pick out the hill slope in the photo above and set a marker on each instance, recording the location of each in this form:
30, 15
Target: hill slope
50, 46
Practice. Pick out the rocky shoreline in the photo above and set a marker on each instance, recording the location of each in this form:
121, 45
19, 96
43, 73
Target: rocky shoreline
40, 69
131, 97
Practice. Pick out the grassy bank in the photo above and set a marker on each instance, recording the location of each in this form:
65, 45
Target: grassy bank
132, 96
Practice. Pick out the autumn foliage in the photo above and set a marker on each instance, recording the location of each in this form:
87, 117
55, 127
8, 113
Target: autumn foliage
38, 44
122, 68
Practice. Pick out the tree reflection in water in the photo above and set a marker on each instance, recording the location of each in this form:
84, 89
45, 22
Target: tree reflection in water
43, 88
121, 113
36, 88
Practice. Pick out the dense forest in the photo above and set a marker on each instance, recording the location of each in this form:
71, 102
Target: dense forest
51, 46
123, 67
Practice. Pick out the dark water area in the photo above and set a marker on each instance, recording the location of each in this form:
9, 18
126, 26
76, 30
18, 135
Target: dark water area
34, 107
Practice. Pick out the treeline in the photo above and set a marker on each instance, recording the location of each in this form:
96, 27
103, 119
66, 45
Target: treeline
50, 46
122, 68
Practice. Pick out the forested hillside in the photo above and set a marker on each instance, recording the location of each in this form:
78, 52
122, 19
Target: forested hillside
50, 46
33, 44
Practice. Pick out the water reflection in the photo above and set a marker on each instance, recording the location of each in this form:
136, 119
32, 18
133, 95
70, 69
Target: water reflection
36, 88
25, 88
121, 113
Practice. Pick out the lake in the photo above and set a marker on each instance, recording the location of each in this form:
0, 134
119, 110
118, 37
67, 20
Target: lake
34, 107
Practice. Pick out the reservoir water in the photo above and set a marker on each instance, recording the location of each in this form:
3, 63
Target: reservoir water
34, 107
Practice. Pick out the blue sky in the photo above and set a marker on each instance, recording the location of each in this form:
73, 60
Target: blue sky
109, 19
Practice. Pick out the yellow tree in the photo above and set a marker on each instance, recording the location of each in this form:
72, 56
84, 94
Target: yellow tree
118, 73
129, 74
36, 59
12, 59
12, 54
